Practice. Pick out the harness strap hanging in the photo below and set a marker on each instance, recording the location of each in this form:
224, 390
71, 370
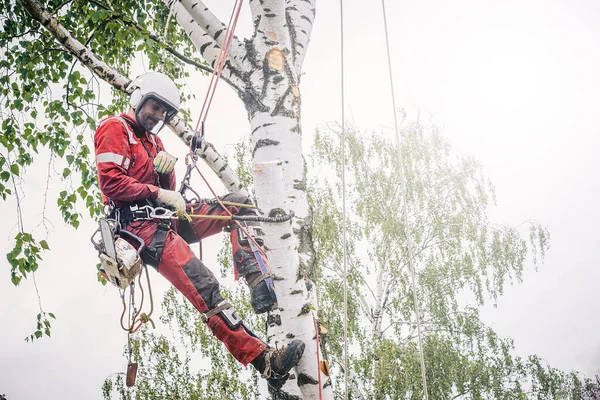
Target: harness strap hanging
254, 282
152, 254
224, 305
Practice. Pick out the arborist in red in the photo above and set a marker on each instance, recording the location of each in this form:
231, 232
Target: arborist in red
135, 171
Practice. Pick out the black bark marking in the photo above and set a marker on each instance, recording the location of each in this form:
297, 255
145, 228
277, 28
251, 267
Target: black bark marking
290, 336
262, 126
277, 394
304, 310
286, 236
279, 109
270, 15
297, 291
304, 379
278, 79
274, 319
195, 4
203, 47
277, 212
218, 33
263, 143
300, 185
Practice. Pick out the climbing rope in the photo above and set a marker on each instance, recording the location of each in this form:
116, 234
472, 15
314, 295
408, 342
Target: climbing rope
344, 228
216, 74
134, 323
220, 63
404, 209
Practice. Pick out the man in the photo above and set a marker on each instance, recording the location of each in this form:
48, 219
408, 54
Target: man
135, 170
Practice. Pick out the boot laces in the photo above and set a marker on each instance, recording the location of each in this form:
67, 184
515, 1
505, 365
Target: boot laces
273, 355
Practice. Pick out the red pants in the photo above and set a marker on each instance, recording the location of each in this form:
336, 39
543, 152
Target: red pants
195, 281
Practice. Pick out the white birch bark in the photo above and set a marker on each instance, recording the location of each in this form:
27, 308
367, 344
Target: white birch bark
280, 184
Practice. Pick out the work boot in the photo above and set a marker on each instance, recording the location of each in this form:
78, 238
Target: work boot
261, 298
275, 364
247, 266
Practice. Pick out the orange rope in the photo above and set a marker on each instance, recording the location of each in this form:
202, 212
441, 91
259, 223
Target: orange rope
317, 334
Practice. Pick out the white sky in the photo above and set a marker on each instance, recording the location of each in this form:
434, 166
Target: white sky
514, 83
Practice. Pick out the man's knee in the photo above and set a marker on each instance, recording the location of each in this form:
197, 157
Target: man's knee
204, 282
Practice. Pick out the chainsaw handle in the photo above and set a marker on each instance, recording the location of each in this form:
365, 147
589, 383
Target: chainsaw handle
124, 232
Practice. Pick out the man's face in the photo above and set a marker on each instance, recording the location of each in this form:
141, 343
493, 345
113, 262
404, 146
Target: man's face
151, 113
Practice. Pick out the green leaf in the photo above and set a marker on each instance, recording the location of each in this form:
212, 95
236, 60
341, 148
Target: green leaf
14, 168
44, 245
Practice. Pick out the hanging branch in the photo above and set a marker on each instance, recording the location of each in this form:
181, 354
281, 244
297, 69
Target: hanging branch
74, 47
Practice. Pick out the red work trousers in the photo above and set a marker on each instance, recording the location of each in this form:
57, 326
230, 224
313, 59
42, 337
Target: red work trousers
195, 281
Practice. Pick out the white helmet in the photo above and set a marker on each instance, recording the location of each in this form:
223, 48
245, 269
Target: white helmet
157, 86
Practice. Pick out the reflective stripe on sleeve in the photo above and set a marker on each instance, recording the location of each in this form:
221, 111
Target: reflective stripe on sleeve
112, 158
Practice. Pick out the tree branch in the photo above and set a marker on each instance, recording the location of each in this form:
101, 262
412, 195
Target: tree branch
214, 28
120, 82
300, 16
206, 46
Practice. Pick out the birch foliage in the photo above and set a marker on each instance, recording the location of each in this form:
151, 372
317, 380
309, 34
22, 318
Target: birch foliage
462, 260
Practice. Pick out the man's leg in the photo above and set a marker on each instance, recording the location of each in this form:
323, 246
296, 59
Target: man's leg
201, 288
197, 283
248, 252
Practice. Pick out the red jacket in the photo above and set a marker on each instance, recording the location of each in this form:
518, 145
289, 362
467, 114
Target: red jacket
126, 173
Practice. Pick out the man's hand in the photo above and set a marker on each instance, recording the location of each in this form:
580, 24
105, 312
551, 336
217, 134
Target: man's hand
172, 198
164, 162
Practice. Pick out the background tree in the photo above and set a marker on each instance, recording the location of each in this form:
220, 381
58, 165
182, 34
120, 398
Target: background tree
461, 260
68, 47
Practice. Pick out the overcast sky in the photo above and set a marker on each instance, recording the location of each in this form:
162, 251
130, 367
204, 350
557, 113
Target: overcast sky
514, 83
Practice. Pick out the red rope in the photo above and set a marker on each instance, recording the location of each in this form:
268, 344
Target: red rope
216, 74
220, 62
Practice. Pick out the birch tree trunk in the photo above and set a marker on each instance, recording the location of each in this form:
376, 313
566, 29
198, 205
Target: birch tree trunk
264, 70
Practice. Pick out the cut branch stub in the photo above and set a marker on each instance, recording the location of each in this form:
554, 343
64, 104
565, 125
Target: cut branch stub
276, 59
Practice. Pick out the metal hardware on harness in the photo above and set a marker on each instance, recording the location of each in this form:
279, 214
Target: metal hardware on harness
185, 182
149, 212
